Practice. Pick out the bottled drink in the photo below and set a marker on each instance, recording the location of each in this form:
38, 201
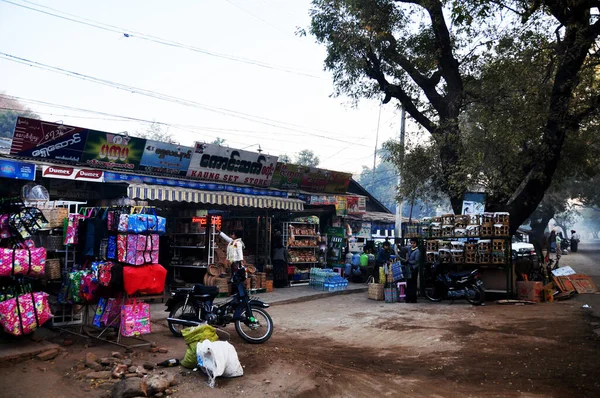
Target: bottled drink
169, 363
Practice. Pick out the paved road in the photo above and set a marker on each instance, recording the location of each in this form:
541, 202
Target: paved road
586, 261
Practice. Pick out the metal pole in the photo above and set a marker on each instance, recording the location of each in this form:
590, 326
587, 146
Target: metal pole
375, 151
398, 231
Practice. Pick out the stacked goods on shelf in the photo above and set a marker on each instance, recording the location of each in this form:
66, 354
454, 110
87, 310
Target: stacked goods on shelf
301, 239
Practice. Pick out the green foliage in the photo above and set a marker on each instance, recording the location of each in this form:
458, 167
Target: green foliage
218, 141
156, 132
10, 110
285, 158
306, 157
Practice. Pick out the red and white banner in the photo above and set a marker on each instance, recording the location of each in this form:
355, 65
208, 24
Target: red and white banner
73, 173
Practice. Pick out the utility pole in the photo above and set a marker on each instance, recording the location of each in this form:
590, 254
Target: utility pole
398, 229
375, 151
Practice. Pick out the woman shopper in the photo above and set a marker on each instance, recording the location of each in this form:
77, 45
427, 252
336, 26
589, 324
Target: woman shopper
414, 259
235, 249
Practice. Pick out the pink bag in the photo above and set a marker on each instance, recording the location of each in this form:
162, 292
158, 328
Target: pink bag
138, 249
135, 319
23, 261
104, 273
4, 227
112, 313
72, 230
20, 315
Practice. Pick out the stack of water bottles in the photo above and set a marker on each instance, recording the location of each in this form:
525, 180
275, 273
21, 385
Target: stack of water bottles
327, 280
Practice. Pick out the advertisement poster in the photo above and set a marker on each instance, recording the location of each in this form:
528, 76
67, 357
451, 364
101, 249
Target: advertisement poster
164, 158
338, 182
48, 141
213, 162
310, 179
17, 170
323, 200
356, 204
473, 203
113, 151
73, 173
341, 208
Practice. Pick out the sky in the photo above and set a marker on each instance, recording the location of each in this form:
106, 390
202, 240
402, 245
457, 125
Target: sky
284, 107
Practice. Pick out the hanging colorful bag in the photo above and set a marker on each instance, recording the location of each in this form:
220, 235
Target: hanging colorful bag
147, 279
23, 259
5, 231
72, 229
112, 313
89, 285
111, 251
27, 221
25, 313
99, 312
104, 273
135, 319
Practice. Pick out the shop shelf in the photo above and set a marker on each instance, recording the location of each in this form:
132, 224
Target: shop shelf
188, 247
188, 266
301, 247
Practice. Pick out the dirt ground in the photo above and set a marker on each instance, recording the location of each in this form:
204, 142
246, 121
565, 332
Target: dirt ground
348, 346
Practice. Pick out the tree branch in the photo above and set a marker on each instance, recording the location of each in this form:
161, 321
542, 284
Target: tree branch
373, 70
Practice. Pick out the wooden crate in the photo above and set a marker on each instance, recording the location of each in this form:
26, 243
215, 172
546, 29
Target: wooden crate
460, 232
431, 256
498, 258
431, 246
484, 246
501, 218
484, 258
498, 245
458, 257
501, 230
447, 231
471, 257
473, 230
461, 221
487, 230
487, 219
445, 256
470, 247
474, 219
448, 219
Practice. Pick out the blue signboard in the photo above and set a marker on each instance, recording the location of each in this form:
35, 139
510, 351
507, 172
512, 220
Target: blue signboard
119, 177
17, 170
164, 158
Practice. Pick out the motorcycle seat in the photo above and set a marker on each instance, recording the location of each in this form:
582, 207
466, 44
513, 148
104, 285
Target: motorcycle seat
203, 290
457, 275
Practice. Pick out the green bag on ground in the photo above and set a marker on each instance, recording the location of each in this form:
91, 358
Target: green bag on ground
192, 336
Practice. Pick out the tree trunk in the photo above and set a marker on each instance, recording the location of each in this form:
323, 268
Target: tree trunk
538, 227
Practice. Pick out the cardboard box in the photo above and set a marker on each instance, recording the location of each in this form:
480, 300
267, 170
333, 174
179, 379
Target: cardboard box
532, 291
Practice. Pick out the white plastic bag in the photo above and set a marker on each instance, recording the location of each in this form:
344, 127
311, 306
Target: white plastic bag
217, 359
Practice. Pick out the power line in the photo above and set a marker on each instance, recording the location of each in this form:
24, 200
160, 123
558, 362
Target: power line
142, 36
170, 98
256, 16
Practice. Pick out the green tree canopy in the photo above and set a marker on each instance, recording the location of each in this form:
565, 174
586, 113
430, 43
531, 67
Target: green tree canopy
456, 67
306, 157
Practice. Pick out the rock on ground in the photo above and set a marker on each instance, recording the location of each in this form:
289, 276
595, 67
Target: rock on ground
102, 375
91, 361
157, 384
48, 355
130, 388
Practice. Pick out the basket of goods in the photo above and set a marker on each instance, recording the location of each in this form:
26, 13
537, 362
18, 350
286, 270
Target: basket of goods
55, 216
53, 269
213, 270
391, 294
448, 219
501, 218
375, 291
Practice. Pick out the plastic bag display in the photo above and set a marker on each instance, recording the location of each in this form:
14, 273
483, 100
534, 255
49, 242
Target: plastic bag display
5, 231
72, 229
27, 221
105, 273
142, 223
135, 319
192, 336
217, 359
24, 313
146, 279
111, 251
23, 261
112, 313
99, 312
138, 249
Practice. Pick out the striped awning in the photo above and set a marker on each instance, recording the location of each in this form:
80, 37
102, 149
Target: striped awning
172, 194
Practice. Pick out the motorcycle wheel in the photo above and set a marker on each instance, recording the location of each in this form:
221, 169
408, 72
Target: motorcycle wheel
478, 298
189, 312
432, 293
258, 332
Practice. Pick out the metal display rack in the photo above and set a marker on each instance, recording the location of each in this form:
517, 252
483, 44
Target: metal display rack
304, 249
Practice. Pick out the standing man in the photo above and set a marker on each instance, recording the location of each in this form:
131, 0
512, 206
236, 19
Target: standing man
574, 240
383, 257
414, 259
235, 249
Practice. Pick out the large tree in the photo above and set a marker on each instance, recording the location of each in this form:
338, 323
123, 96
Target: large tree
437, 59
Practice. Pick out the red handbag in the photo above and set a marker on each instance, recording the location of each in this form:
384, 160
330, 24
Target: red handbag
145, 279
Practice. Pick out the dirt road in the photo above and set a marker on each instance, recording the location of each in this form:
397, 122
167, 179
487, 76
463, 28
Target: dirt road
348, 346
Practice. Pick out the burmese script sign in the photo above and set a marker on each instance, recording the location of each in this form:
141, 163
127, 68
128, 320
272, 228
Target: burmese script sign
48, 141
164, 158
310, 179
213, 162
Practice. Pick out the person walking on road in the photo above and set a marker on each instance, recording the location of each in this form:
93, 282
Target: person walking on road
414, 259
235, 249
574, 241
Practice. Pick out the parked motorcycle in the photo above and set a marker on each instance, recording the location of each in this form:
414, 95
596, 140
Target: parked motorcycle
194, 306
453, 285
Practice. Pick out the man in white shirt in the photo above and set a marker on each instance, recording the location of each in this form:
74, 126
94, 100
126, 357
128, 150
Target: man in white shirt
235, 249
